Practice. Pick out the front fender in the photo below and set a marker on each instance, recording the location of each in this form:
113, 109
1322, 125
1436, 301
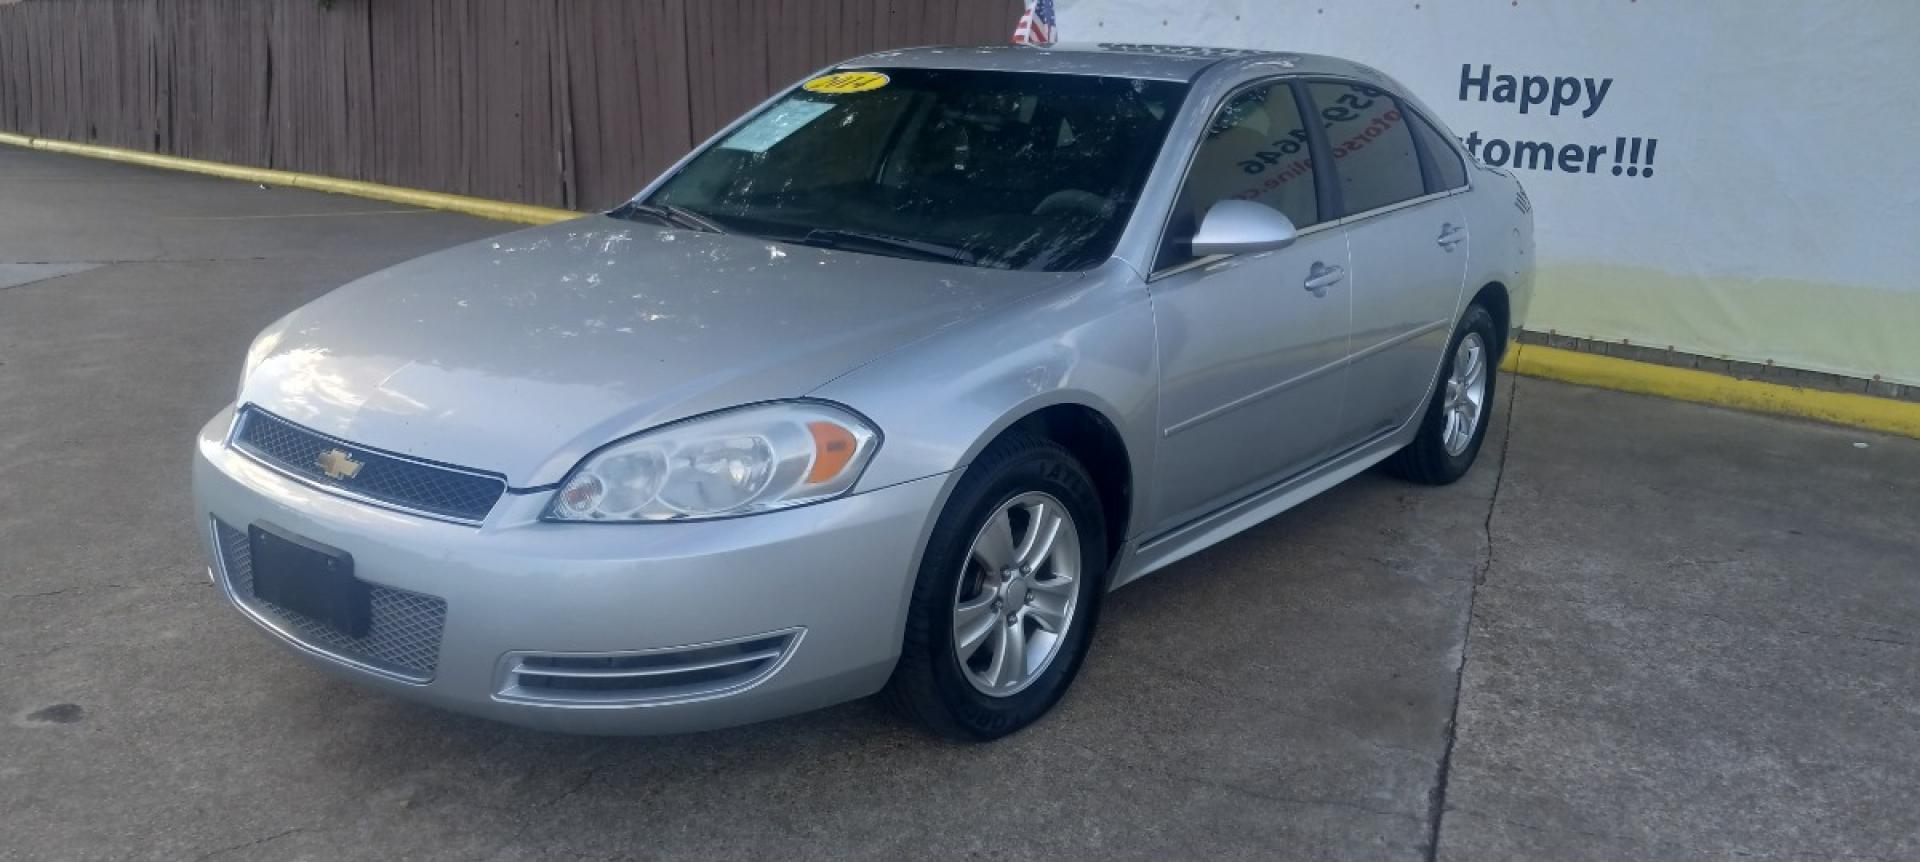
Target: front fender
942, 400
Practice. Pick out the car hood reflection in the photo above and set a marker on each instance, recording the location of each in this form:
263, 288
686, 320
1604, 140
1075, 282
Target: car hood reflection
520, 354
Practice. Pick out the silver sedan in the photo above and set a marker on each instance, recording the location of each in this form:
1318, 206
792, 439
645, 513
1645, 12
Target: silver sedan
882, 388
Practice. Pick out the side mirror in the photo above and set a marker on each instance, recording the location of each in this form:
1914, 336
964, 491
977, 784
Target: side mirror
1242, 227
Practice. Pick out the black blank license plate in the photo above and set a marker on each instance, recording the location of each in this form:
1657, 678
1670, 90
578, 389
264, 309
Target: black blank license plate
309, 578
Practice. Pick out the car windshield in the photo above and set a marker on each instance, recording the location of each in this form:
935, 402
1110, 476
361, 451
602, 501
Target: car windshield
1007, 170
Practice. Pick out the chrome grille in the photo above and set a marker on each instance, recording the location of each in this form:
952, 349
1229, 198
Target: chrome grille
403, 638
655, 676
442, 491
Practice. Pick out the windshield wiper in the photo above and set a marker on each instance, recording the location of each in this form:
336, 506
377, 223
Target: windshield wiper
854, 240
677, 216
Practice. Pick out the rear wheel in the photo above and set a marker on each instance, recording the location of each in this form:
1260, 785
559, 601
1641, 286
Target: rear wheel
1461, 408
1007, 594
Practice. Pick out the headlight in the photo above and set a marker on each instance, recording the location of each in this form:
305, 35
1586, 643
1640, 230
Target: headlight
753, 459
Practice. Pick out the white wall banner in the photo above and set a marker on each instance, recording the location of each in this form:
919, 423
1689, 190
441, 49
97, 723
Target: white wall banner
1739, 180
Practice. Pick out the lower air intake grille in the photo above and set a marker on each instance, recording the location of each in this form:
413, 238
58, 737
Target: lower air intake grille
660, 675
403, 638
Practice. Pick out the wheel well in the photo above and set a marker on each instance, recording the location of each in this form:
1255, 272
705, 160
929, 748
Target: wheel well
1093, 440
1493, 298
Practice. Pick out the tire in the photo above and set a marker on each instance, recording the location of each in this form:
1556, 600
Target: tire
1429, 460
932, 682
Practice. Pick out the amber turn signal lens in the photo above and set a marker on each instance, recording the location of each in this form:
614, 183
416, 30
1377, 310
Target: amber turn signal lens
833, 447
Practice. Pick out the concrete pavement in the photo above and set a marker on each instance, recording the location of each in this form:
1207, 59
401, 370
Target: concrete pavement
1665, 631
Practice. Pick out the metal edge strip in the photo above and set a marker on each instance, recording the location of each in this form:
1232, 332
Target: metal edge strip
506, 691
1300, 378
1396, 206
1397, 340
1257, 395
641, 673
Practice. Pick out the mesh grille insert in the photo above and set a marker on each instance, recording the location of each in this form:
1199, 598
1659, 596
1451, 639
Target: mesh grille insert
403, 639
442, 491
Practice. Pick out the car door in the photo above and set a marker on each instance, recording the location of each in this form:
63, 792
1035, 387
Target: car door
1408, 247
1252, 347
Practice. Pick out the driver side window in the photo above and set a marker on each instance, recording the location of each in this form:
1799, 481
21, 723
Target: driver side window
1255, 149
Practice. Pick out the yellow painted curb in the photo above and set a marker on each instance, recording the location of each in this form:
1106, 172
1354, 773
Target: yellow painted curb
1705, 387
482, 207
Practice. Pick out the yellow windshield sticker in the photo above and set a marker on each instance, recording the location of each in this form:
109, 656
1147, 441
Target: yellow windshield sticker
847, 82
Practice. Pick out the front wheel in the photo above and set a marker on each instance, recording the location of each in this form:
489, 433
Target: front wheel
1008, 591
1461, 408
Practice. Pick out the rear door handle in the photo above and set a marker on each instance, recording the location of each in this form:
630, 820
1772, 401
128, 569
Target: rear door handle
1321, 276
1451, 236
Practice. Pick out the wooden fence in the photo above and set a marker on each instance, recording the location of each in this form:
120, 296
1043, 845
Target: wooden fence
568, 103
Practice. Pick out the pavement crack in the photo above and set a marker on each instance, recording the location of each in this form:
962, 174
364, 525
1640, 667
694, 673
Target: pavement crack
1866, 638
47, 280
1725, 620
1493, 500
38, 595
1682, 849
586, 777
167, 585
244, 845
1443, 772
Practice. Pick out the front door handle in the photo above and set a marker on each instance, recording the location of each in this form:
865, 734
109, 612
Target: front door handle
1451, 236
1321, 276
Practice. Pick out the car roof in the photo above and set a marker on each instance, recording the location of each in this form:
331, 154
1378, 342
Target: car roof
1158, 62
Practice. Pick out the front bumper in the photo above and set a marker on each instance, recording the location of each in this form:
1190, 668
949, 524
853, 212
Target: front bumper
825, 585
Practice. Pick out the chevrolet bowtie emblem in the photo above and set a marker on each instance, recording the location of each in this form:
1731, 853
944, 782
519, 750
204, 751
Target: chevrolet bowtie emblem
338, 465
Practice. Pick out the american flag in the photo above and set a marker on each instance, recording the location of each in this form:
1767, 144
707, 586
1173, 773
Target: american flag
1037, 26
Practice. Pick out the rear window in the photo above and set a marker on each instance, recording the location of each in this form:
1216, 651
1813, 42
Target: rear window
1371, 143
1449, 171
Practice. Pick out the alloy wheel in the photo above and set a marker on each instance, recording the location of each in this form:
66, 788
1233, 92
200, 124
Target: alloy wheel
1017, 595
1466, 395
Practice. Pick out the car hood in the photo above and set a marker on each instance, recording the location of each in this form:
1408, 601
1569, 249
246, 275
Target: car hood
522, 353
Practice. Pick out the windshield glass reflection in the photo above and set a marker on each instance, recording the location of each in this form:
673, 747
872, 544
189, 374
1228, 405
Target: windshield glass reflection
995, 169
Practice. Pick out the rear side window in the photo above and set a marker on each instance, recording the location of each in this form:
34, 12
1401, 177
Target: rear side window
1449, 172
1372, 146
1255, 149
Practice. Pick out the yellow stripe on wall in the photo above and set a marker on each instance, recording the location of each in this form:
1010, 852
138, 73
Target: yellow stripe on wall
482, 207
1705, 387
